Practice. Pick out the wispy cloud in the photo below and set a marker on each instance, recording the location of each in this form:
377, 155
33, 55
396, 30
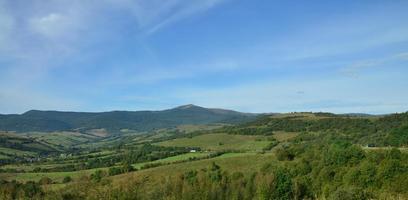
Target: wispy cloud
37, 37
153, 15
356, 68
184, 11
97, 50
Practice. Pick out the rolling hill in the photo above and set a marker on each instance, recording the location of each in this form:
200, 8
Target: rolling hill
47, 121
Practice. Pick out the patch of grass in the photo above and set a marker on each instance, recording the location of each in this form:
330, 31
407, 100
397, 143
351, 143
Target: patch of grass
402, 149
216, 142
182, 157
30, 167
16, 152
282, 136
233, 162
55, 176
238, 158
4, 157
64, 139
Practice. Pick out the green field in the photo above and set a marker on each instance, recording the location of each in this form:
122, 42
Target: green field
182, 157
234, 162
217, 142
61, 139
58, 176
55, 176
11, 152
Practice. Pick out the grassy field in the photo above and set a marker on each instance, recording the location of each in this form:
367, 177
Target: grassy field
182, 157
216, 142
52, 164
402, 149
282, 136
30, 167
58, 176
17, 152
55, 176
234, 162
63, 138
236, 158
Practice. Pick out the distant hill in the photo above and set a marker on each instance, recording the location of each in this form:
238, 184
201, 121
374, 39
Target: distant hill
384, 130
114, 121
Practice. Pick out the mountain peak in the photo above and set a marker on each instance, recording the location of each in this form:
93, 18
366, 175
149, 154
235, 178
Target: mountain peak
187, 106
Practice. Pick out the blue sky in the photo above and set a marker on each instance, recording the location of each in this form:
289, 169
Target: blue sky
252, 56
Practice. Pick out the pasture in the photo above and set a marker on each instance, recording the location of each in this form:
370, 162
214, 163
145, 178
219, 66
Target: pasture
219, 142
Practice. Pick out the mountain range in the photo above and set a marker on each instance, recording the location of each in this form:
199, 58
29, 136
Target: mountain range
114, 121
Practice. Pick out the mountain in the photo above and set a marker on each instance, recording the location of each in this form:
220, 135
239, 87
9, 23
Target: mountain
114, 121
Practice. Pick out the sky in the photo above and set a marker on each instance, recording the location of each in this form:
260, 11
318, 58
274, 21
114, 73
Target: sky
343, 56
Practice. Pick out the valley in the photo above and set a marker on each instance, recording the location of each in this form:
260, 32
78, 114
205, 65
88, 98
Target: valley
316, 153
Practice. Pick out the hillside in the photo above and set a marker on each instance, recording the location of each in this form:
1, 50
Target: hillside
47, 121
293, 155
280, 156
388, 130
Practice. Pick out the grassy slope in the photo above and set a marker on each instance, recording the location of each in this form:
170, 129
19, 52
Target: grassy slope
58, 176
172, 159
216, 142
11, 152
64, 138
242, 162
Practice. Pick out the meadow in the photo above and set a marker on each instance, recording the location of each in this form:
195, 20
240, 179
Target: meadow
218, 142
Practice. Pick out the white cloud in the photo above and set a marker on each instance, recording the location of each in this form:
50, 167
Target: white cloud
60, 28
403, 56
38, 36
51, 25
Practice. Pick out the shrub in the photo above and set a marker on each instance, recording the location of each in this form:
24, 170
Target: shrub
67, 179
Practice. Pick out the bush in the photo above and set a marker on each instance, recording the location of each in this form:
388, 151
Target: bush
45, 181
283, 154
67, 179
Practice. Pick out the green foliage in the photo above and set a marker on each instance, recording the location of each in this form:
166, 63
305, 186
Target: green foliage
98, 175
325, 161
398, 137
67, 179
284, 154
341, 171
15, 190
45, 181
283, 188
343, 154
363, 130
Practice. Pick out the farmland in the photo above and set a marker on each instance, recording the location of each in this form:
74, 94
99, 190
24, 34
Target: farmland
217, 142
292, 146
